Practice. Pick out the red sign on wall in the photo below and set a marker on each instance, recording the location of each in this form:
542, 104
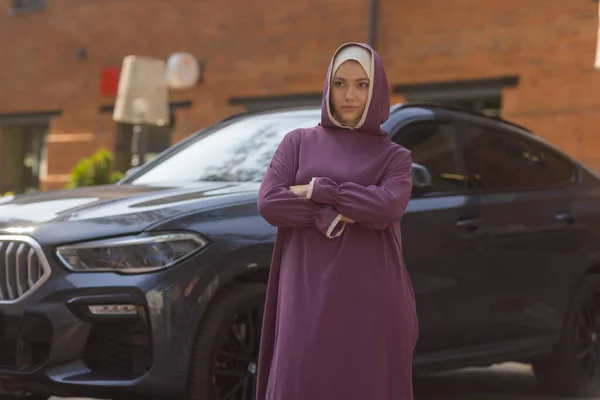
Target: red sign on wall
109, 81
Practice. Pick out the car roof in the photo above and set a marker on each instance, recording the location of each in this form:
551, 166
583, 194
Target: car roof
465, 112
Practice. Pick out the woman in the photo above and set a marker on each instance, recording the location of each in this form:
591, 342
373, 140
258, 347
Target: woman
340, 320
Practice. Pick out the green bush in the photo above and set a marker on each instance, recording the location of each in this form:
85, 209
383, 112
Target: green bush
94, 170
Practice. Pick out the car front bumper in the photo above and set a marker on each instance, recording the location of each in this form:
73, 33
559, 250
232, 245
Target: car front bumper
51, 344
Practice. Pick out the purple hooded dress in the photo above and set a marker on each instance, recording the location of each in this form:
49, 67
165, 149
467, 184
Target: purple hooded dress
340, 320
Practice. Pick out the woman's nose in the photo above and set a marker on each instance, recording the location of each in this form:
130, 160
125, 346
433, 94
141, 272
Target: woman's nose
349, 93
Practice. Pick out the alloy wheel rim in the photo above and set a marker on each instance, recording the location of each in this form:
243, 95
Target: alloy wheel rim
236, 366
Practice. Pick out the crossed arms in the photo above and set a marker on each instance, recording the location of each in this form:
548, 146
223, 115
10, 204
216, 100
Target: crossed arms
328, 205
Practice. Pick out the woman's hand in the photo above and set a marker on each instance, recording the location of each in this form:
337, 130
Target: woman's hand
300, 190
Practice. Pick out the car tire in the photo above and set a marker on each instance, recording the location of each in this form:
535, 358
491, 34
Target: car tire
225, 352
566, 372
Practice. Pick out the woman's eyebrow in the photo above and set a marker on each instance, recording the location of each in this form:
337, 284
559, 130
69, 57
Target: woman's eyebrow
344, 79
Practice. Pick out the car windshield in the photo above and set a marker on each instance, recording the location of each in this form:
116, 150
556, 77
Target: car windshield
239, 151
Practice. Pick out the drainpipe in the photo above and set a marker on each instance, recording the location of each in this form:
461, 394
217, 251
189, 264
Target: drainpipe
373, 8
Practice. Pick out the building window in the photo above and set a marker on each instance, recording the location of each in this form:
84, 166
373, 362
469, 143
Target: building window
23, 6
158, 137
487, 105
23, 154
22, 157
481, 95
158, 140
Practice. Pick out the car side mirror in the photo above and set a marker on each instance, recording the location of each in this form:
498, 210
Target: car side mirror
421, 179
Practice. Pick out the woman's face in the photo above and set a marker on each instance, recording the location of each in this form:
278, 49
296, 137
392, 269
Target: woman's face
349, 92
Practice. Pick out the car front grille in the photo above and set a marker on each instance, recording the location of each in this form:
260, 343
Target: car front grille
23, 267
119, 350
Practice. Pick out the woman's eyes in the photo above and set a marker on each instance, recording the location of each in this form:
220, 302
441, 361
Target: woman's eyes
362, 85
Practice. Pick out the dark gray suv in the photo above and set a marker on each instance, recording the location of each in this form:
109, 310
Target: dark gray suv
155, 286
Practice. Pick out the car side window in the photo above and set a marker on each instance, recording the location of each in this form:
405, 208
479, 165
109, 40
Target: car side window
551, 168
433, 151
495, 160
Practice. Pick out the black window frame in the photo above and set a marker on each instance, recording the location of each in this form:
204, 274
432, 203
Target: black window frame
26, 6
529, 143
477, 92
458, 158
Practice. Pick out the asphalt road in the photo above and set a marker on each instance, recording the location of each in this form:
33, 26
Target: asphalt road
501, 382
509, 381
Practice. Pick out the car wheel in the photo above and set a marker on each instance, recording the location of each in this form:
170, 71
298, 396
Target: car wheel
574, 368
225, 355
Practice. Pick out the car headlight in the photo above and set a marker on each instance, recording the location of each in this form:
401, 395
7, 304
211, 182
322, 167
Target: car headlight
134, 254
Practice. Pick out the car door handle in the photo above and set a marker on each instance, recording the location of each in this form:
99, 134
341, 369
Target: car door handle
565, 217
468, 224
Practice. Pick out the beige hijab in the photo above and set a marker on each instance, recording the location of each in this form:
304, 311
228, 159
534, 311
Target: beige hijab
365, 59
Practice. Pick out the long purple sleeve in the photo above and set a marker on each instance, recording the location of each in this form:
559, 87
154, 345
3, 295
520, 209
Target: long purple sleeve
375, 206
282, 208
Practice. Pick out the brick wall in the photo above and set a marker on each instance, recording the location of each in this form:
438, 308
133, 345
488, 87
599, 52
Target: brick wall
275, 48
550, 44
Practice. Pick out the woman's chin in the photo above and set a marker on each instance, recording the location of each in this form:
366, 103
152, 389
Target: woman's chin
349, 119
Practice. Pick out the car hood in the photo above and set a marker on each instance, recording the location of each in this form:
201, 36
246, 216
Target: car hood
101, 211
